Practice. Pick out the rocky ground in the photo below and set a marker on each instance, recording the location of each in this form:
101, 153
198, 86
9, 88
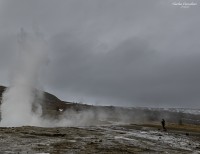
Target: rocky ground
129, 138
105, 135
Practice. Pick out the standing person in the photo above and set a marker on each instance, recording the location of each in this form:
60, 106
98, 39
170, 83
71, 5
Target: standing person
163, 124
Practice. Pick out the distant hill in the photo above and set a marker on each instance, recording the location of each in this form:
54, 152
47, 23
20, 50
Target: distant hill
52, 106
50, 101
2, 89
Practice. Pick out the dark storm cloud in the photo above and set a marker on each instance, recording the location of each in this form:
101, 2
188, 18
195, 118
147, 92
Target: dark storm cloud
136, 53
131, 72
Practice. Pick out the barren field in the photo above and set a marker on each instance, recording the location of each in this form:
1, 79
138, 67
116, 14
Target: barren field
129, 138
103, 129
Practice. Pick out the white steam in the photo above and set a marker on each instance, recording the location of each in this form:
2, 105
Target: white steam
16, 108
19, 104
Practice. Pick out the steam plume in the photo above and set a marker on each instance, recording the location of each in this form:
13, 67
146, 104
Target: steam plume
16, 108
19, 100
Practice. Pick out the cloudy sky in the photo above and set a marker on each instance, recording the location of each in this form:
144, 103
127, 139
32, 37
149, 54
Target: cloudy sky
111, 52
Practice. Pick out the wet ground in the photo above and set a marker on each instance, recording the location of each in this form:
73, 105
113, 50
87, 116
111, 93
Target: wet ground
97, 139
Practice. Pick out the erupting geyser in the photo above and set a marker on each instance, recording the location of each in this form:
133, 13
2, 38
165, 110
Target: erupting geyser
19, 103
18, 99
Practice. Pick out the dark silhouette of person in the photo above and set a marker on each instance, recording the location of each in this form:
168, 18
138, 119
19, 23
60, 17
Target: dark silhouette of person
163, 124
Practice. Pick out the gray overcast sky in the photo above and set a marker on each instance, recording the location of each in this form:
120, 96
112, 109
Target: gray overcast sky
111, 52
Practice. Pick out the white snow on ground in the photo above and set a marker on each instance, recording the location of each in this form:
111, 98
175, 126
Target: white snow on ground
147, 138
182, 110
175, 142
